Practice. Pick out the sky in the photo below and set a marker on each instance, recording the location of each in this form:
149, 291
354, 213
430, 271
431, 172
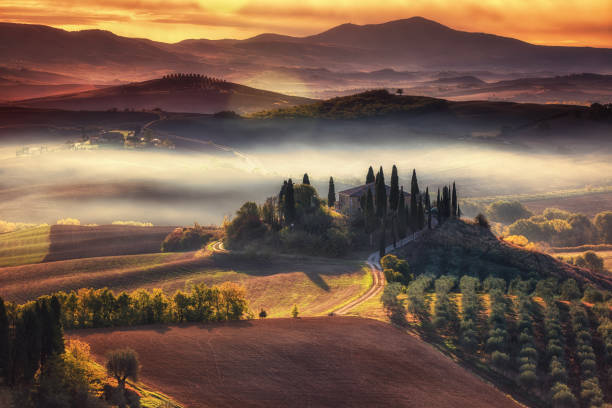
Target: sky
553, 22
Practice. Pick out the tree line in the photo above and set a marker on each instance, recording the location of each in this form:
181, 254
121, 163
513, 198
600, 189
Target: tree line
390, 215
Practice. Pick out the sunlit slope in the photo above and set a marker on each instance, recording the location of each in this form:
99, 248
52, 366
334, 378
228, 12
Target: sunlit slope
64, 242
25, 246
315, 362
316, 285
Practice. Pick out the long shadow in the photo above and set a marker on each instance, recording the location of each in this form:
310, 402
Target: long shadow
74, 241
266, 267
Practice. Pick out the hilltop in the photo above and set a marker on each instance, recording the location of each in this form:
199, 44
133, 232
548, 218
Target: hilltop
176, 93
459, 247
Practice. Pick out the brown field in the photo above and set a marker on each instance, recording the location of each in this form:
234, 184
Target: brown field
71, 241
315, 285
588, 204
307, 362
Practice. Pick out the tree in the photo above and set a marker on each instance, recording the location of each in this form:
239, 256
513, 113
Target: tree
421, 215
482, 221
603, 225
370, 215
4, 341
381, 194
289, 203
383, 245
428, 207
414, 195
305, 179
394, 191
331, 194
263, 314
370, 176
294, 312
401, 215
454, 201
122, 364
438, 209
507, 212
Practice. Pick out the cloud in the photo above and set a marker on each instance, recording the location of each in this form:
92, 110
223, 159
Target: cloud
580, 22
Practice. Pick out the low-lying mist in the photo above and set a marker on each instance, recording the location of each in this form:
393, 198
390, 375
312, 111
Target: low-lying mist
178, 188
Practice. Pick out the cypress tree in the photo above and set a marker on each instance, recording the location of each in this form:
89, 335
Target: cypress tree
370, 176
381, 250
438, 209
458, 211
370, 215
454, 201
428, 207
381, 194
331, 194
305, 179
421, 215
414, 195
401, 215
32, 336
4, 342
394, 192
289, 202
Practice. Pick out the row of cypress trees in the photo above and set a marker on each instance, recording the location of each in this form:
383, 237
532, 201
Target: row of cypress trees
29, 335
381, 210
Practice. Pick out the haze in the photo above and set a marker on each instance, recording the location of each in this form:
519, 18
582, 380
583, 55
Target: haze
144, 186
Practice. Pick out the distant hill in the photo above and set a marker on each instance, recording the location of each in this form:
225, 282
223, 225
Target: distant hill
363, 105
459, 248
189, 93
409, 44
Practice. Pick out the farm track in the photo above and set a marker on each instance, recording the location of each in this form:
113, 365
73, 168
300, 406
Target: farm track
378, 277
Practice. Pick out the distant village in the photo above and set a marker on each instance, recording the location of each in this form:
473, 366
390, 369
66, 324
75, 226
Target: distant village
127, 139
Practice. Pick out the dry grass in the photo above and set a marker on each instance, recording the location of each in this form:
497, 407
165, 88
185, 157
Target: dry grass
327, 361
316, 285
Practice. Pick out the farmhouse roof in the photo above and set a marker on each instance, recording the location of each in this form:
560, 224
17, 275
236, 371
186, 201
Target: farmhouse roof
361, 190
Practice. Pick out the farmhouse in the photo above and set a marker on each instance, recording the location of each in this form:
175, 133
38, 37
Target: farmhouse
349, 201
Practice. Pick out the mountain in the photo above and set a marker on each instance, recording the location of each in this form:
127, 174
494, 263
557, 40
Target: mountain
185, 93
410, 44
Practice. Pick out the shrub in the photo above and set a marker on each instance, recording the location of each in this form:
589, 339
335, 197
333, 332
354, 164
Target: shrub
68, 221
186, 239
562, 396
527, 379
263, 314
499, 359
294, 312
133, 223
482, 221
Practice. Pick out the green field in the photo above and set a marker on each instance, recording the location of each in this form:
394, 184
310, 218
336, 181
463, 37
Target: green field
25, 246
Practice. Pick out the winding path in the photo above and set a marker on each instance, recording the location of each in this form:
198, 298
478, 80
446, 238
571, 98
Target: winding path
378, 277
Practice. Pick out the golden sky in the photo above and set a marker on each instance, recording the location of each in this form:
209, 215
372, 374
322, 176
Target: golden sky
555, 22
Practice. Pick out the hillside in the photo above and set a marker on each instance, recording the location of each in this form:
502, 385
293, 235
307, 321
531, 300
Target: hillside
459, 248
409, 44
186, 93
328, 361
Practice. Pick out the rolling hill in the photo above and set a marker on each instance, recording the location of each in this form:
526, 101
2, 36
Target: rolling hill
192, 94
409, 44
306, 362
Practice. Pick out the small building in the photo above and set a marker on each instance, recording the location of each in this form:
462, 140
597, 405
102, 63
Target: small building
349, 201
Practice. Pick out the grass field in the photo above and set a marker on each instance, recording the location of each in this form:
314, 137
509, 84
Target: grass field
315, 285
306, 362
25, 246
